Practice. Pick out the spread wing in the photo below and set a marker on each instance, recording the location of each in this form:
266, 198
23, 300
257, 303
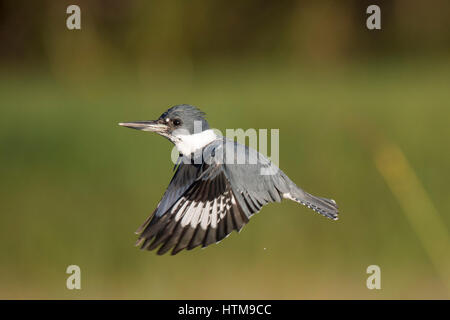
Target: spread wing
204, 203
199, 208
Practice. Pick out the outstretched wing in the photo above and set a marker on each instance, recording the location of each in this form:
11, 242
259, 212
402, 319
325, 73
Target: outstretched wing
205, 212
204, 203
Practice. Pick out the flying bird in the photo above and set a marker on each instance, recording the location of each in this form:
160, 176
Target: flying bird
217, 186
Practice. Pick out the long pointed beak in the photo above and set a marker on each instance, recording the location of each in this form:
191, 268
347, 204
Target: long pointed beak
150, 125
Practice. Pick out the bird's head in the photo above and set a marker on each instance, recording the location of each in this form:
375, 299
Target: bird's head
180, 120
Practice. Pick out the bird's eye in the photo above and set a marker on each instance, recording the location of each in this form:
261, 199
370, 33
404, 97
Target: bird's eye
176, 122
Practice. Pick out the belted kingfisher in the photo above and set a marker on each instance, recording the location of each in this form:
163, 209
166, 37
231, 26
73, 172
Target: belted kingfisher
208, 197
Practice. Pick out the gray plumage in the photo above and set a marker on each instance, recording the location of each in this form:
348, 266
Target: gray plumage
188, 112
210, 196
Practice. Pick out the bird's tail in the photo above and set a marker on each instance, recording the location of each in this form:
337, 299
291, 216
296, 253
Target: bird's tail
324, 206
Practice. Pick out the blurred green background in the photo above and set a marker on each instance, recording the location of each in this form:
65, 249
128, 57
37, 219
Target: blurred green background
75, 186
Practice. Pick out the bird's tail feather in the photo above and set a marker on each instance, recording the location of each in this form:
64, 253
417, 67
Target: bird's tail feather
324, 206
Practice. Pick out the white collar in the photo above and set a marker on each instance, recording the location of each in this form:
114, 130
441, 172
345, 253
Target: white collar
189, 143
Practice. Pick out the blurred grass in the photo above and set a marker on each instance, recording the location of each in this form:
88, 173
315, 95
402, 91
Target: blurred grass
75, 186
417, 206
